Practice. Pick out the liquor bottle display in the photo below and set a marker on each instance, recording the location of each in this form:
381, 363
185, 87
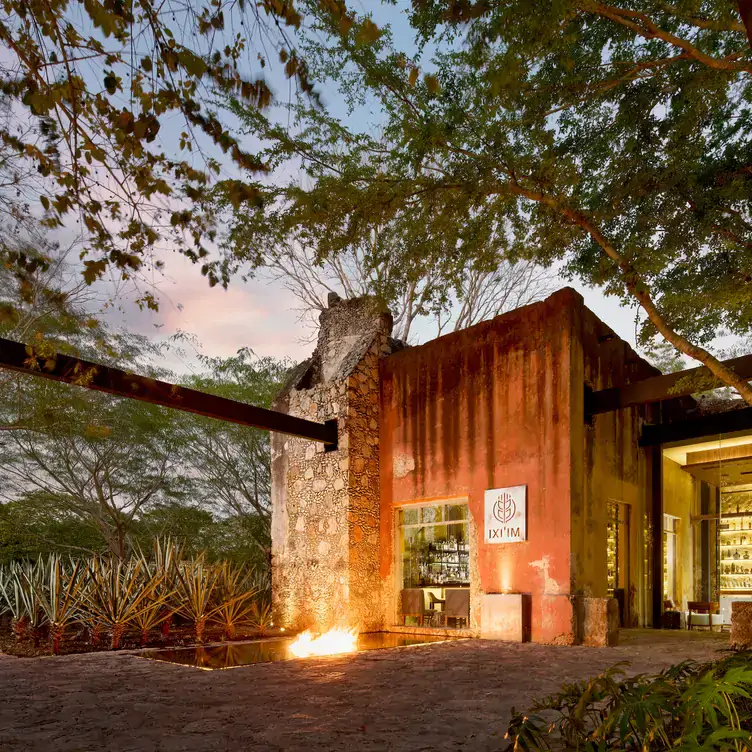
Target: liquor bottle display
735, 543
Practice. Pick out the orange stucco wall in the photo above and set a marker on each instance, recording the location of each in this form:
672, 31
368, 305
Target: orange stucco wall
485, 408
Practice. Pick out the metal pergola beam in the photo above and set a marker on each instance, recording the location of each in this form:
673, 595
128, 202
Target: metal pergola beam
70, 370
697, 428
659, 388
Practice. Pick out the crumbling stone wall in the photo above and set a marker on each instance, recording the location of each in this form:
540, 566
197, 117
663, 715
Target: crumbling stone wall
325, 505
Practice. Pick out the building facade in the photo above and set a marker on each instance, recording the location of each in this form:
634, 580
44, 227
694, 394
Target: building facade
470, 490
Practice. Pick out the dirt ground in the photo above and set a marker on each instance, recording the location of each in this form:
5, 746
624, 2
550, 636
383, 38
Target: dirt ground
448, 696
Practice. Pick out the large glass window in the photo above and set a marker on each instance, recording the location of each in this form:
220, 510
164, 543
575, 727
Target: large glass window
670, 527
434, 548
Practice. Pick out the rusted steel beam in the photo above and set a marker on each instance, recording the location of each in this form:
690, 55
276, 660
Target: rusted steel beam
69, 370
659, 388
733, 421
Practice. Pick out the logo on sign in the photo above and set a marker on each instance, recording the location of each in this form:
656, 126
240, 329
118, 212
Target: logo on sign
506, 515
504, 509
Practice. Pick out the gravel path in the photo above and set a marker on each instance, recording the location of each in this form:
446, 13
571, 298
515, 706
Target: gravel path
448, 696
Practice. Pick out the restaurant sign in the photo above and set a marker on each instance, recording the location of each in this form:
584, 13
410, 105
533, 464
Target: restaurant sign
506, 515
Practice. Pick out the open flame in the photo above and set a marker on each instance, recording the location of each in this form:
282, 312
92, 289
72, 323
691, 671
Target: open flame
329, 643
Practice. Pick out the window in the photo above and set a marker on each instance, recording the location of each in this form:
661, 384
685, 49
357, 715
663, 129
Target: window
670, 524
434, 550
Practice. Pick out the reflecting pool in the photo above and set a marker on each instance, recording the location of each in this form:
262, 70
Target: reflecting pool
234, 654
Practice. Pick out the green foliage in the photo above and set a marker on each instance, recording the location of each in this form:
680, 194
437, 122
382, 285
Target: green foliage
689, 706
102, 81
615, 141
140, 593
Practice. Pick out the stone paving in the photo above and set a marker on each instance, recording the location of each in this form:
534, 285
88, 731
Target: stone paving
448, 696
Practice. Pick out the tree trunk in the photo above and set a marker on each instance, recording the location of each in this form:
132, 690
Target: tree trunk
117, 633
19, 628
200, 627
639, 290
745, 11
165, 628
56, 632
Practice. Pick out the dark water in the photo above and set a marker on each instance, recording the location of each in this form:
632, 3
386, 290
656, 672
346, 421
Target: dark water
235, 654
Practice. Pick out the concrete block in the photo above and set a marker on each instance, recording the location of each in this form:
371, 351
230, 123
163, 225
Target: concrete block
505, 616
741, 624
597, 621
553, 619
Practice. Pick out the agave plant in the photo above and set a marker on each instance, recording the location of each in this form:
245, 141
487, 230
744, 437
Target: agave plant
196, 583
164, 559
261, 617
118, 594
13, 601
234, 597
28, 585
59, 596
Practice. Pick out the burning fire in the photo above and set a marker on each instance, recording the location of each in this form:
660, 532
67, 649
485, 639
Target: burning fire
329, 643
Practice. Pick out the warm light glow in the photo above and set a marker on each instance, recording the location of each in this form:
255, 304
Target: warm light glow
330, 643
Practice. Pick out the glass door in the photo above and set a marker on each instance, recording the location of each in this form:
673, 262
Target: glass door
617, 556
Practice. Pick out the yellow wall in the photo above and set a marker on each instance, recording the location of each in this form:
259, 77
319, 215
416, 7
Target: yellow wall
680, 500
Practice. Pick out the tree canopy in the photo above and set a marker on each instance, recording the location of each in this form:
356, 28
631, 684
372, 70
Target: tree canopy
615, 141
111, 104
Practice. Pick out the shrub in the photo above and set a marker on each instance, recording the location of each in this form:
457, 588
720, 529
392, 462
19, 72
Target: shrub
688, 707
140, 593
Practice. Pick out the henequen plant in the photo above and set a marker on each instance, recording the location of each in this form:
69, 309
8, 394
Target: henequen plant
196, 583
59, 596
119, 593
106, 593
235, 598
688, 707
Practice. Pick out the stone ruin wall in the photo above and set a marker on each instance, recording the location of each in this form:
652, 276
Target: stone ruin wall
325, 505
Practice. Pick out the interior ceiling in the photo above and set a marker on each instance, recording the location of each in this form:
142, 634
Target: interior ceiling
725, 464
723, 474
679, 453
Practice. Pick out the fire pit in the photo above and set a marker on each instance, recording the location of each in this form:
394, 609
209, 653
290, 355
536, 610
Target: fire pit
234, 654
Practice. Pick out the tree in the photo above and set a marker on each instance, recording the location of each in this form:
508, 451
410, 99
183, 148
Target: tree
120, 95
613, 139
233, 463
101, 459
411, 291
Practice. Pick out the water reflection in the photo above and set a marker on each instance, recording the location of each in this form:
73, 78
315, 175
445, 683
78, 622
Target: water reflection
233, 654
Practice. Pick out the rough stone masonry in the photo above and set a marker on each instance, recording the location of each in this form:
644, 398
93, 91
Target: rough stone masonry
325, 504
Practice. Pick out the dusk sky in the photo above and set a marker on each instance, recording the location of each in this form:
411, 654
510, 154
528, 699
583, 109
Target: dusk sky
261, 313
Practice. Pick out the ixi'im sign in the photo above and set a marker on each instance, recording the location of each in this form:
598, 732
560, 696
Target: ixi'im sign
506, 515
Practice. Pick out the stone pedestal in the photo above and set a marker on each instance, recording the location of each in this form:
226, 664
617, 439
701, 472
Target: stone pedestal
741, 624
597, 621
325, 504
505, 616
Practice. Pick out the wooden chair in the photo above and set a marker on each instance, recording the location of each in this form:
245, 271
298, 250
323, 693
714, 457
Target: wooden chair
457, 605
702, 608
413, 604
436, 613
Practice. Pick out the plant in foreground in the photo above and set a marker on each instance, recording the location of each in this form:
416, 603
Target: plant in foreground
59, 596
235, 598
689, 706
118, 593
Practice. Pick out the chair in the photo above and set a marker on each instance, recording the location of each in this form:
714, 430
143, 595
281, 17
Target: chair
413, 604
436, 610
457, 605
702, 609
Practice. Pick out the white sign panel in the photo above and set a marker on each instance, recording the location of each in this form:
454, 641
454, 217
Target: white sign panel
506, 515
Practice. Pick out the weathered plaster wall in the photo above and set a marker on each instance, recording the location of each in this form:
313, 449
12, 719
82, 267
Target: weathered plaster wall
325, 505
484, 408
608, 465
680, 499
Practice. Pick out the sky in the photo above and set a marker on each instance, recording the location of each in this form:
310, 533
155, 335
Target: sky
261, 313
